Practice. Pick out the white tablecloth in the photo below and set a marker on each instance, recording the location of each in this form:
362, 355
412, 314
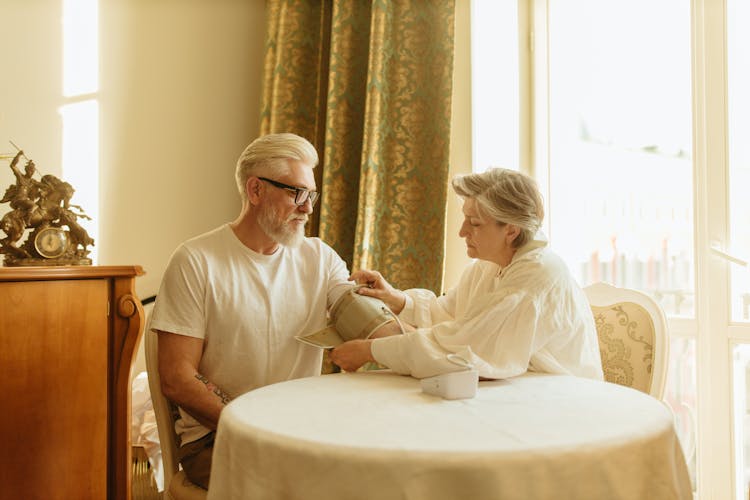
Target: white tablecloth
375, 435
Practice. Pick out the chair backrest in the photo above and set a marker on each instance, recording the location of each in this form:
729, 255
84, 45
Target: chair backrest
176, 484
164, 410
633, 337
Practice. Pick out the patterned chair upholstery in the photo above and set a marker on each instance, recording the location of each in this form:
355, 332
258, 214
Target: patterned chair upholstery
633, 341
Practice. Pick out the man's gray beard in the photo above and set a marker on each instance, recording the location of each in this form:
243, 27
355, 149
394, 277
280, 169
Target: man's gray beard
279, 230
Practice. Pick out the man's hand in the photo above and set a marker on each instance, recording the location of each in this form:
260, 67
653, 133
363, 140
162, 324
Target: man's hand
351, 355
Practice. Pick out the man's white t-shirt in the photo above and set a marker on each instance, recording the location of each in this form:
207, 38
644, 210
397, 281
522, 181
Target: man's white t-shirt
248, 307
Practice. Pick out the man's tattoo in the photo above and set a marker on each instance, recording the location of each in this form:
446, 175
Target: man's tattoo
225, 399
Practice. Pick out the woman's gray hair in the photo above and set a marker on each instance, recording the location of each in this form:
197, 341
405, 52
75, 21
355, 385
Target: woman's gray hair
267, 156
507, 197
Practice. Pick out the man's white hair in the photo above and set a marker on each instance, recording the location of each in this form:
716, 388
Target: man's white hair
267, 156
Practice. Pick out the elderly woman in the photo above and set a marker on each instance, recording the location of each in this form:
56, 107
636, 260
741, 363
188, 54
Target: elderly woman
515, 308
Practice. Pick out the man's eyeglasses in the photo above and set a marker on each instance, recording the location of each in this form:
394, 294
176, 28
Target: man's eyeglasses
301, 195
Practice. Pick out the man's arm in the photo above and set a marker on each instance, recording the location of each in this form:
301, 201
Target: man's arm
181, 383
391, 328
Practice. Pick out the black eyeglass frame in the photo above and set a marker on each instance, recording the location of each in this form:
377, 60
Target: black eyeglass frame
298, 192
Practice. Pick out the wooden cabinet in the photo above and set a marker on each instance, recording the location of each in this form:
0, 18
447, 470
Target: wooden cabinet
67, 341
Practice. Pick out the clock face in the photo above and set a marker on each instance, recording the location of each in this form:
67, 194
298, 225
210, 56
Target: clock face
51, 242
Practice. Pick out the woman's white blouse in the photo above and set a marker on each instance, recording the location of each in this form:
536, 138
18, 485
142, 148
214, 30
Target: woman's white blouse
530, 315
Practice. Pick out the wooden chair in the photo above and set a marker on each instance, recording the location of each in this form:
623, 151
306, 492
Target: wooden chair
633, 337
176, 484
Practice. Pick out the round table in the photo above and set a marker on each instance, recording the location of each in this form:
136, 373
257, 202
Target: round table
377, 435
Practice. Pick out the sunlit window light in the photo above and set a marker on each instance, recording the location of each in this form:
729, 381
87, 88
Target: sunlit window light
80, 161
494, 85
80, 47
80, 116
738, 38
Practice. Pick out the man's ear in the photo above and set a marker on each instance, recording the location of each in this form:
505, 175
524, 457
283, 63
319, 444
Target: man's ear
253, 190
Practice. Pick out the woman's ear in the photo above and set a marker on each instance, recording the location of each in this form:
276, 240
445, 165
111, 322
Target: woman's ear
512, 233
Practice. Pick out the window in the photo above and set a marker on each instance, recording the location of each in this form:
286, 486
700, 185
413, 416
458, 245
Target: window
738, 206
738, 16
637, 138
620, 145
494, 84
80, 110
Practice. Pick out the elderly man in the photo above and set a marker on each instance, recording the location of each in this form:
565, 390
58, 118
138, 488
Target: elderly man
232, 300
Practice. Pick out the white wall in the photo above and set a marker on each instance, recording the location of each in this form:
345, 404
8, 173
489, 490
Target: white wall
456, 259
179, 98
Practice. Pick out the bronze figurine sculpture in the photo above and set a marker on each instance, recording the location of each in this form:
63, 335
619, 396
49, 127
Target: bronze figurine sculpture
42, 207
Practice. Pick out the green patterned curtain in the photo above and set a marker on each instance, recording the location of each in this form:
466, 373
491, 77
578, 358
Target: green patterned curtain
369, 83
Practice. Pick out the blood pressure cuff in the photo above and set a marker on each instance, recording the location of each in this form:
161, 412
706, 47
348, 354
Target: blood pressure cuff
356, 316
352, 316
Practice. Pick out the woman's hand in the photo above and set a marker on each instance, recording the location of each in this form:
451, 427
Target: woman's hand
379, 288
351, 355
